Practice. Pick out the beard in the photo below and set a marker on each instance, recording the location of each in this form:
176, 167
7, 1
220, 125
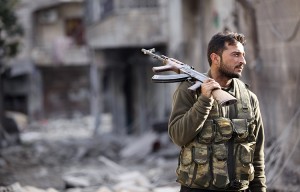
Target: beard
224, 71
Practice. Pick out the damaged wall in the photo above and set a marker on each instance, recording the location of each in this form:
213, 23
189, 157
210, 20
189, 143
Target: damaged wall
66, 91
127, 91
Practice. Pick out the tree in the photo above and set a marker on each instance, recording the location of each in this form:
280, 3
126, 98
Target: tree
10, 33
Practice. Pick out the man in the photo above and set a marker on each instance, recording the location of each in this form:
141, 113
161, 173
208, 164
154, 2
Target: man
222, 146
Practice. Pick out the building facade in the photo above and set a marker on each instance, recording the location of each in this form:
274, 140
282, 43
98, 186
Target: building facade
50, 78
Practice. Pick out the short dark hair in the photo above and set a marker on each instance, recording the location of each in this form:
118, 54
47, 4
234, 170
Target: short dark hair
217, 42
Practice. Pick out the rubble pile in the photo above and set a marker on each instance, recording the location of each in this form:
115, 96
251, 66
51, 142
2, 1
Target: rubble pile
50, 160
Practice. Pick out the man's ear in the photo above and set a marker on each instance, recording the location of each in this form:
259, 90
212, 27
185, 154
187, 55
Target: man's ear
215, 58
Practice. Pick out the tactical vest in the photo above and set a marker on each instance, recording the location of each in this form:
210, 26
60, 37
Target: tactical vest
221, 155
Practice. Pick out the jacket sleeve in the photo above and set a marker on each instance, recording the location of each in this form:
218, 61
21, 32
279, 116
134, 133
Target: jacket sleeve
188, 114
258, 184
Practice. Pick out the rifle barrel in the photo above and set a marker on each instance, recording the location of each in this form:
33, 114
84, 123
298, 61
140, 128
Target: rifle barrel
150, 52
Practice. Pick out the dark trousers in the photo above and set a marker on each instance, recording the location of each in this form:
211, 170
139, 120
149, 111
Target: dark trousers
187, 189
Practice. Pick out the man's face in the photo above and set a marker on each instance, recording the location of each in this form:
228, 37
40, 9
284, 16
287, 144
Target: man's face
232, 61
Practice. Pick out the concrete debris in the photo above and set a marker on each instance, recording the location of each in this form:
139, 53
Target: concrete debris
111, 164
120, 187
16, 187
128, 187
55, 129
34, 189
134, 178
104, 189
31, 137
140, 147
54, 158
167, 189
20, 119
75, 181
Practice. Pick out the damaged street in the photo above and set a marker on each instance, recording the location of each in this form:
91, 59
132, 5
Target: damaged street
64, 155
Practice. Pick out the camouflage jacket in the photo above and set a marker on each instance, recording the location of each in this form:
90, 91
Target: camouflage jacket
222, 147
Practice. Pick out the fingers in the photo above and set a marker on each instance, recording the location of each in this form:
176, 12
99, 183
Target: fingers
212, 84
208, 86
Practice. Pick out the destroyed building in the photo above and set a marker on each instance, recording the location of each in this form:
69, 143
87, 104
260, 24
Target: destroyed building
84, 58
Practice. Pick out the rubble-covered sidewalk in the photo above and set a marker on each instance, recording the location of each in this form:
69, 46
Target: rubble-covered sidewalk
61, 155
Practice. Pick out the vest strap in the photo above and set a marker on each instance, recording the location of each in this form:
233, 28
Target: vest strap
243, 100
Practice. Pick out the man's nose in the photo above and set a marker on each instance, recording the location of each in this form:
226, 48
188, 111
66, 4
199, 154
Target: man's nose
243, 60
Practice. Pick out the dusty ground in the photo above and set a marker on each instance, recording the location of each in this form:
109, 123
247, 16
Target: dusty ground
66, 157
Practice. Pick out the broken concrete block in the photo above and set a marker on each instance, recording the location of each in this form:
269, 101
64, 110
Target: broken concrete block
135, 178
129, 187
140, 147
111, 164
104, 189
166, 189
34, 189
73, 181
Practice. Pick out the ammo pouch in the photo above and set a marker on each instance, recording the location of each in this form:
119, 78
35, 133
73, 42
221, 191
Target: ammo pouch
204, 162
220, 169
219, 129
224, 129
194, 166
243, 130
244, 170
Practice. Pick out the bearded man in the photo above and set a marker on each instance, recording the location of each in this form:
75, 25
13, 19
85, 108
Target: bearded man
222, 147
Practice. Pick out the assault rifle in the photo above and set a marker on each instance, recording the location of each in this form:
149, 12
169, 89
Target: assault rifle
185, 72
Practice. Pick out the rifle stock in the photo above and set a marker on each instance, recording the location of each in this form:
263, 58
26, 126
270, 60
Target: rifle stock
223, 98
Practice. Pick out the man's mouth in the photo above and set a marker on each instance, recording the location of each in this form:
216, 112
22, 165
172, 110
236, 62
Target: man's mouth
240, 68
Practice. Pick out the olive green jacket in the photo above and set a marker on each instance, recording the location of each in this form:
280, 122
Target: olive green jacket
189, 112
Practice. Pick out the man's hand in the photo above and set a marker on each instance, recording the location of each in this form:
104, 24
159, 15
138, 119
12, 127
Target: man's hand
208, 86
